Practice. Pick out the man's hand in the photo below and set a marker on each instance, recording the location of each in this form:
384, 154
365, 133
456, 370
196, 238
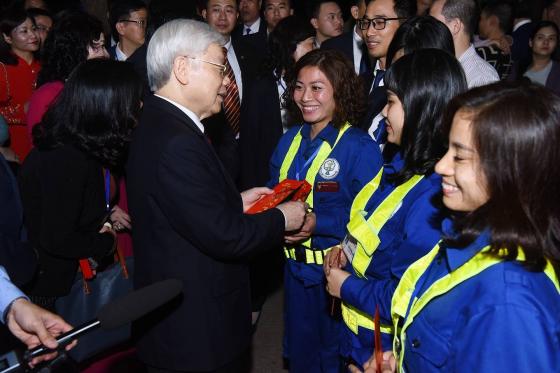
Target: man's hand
305, 232
34, 325
294, 213
335, 279
250, 196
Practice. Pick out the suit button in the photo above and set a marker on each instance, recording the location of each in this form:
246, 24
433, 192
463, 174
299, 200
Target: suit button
415, 343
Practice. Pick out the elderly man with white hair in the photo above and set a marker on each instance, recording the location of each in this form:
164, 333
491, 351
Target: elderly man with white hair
189, 220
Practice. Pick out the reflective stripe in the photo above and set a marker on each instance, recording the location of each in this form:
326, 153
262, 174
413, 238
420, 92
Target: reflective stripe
324, 151
401, 298
311, 256
354, 318
366, 232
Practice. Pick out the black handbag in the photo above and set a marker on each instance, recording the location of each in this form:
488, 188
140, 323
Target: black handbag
79, 307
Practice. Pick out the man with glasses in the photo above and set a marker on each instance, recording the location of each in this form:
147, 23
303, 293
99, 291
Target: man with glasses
351, 43
379, 24
128, 26
189, 220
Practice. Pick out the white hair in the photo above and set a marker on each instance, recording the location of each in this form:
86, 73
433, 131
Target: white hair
175, 38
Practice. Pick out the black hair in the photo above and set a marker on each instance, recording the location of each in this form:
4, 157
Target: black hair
96, 112
315, 7
522, 9
282, 43
67, 44
515, 132
163, 11
120, 10
503, 12
9, 20
34, 12
464, 10
418, 33
403, 8
424, 81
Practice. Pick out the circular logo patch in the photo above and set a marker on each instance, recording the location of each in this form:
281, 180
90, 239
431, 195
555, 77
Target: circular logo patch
329, 169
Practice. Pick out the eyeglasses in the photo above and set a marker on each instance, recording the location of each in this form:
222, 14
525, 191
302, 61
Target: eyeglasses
223, 68
141, 23
378, 23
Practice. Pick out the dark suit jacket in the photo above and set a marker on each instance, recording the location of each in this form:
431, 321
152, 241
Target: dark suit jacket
189, 225
376, 100
261, 130
63, 198
345, 44
216, 126
520, 51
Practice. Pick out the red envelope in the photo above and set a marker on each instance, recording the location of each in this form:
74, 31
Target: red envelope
293, 190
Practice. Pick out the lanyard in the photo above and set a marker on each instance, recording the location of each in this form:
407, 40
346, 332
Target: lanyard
299, 169
107, 190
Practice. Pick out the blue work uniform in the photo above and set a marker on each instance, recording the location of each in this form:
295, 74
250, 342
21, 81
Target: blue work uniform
411, 231
311, 338
496, 317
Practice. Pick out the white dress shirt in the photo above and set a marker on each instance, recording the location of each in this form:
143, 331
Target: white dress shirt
358, 42
232, 59
119, 54
187, 112
254, 28
8, 292
477, 71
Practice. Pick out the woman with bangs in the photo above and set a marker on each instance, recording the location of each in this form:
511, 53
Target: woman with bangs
393, 220
337, 160
486, 298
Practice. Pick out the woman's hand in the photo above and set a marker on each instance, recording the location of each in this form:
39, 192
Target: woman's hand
335, 279
334, 258
388, 365
306, 230
121, 220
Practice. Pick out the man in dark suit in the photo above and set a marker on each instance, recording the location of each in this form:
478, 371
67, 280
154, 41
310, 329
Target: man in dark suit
128, 20
378, 32
223, 128
251, 21
351, 43
188, 216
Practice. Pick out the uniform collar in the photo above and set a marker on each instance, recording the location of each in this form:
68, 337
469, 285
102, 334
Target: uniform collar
328, 134
395, 165
456, 257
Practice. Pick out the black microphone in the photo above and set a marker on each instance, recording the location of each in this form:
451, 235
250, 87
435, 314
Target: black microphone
115, 314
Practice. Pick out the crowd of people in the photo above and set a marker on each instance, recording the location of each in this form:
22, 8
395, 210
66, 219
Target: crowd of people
427, 131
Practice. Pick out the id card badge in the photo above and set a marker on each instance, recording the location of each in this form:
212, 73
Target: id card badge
349, 246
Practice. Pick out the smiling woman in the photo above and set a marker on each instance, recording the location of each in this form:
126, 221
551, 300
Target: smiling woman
18, 73
323, 98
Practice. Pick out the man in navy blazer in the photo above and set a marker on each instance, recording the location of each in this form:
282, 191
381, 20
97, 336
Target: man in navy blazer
351, 43
189, 220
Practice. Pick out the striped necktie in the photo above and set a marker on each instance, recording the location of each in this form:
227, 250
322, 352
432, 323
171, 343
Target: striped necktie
232, 105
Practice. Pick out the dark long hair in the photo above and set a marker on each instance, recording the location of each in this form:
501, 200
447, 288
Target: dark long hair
418, 33
67, 44
9, 20
95, 112
516, 134
424, 81
349, 95
282, 44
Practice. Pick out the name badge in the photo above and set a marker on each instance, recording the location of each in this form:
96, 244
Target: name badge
349, 246
327, 186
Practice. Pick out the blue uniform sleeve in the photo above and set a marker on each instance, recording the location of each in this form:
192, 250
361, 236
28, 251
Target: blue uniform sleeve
278, 156
421, 233
8, 292
365, 165
506, 338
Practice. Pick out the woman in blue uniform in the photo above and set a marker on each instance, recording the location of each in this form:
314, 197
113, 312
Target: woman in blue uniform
337, 160
487, 297
393, 220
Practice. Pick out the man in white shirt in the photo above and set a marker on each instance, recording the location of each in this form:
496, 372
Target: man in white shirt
459, 17
128, 20
249, 12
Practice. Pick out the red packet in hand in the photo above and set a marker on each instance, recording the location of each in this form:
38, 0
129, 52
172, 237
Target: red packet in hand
287, 189
378, 351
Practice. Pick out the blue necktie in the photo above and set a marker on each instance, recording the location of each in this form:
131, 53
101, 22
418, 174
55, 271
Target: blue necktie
247, 31
378, 77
